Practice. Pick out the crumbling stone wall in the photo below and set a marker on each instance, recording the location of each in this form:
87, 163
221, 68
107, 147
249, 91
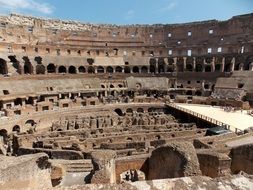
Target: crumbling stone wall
242, 159
175, 159
26, 172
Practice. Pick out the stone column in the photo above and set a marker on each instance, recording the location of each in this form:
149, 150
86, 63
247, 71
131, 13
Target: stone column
194, 64
223, 64
104, 166
233, 65
184, 67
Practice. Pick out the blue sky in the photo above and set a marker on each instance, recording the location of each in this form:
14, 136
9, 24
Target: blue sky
129, 11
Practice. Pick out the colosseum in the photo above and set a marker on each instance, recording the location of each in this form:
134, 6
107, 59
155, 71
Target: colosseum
165, 106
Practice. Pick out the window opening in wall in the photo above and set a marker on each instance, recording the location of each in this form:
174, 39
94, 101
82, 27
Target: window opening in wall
188, 82
74, 33
126, 63
36, 50
30, 29
23, 48
125, 52
133, 53
6, 92
133, 35
97, 52
45, 108
151, 35
88, 52
189, 52
189, 33
69, 51
221, 39
209, 50
210, 31
54, 31
79, 52
179, 42
240, 85
106, 54
170, 52
151, 53
58, 52
169, 35
219, 50
47, 50
94, 34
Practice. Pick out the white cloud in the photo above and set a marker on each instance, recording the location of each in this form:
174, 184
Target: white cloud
168, 7
25, 5
130, 14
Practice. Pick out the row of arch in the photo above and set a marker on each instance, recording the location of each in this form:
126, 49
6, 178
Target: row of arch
156, 65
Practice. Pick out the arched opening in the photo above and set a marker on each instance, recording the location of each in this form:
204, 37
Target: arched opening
18, 101
51, 68
3, 67
198, 93
16, 128
199, 68
127, 70
90, 61
62, 69
140, 110
100, 69
189, 67
40, 69
72, 70
132, 175
208, 68
206, 86
119, 112
227, 67
161, 65
81, 69
152, 65
109, 69
144, 69
118, 69
15, 63
218, 67
129, 110
91, 70
248, 63
28, 68
30, 123
3, 135
167, 162
189, 92
151, 109
135, 69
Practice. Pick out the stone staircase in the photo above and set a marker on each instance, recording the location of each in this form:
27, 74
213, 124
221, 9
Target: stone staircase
75, 166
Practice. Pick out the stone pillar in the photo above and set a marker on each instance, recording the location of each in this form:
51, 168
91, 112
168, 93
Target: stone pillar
233, 65
104, 166
184, 67
194, 64
213, 65
223, 64
175, 63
